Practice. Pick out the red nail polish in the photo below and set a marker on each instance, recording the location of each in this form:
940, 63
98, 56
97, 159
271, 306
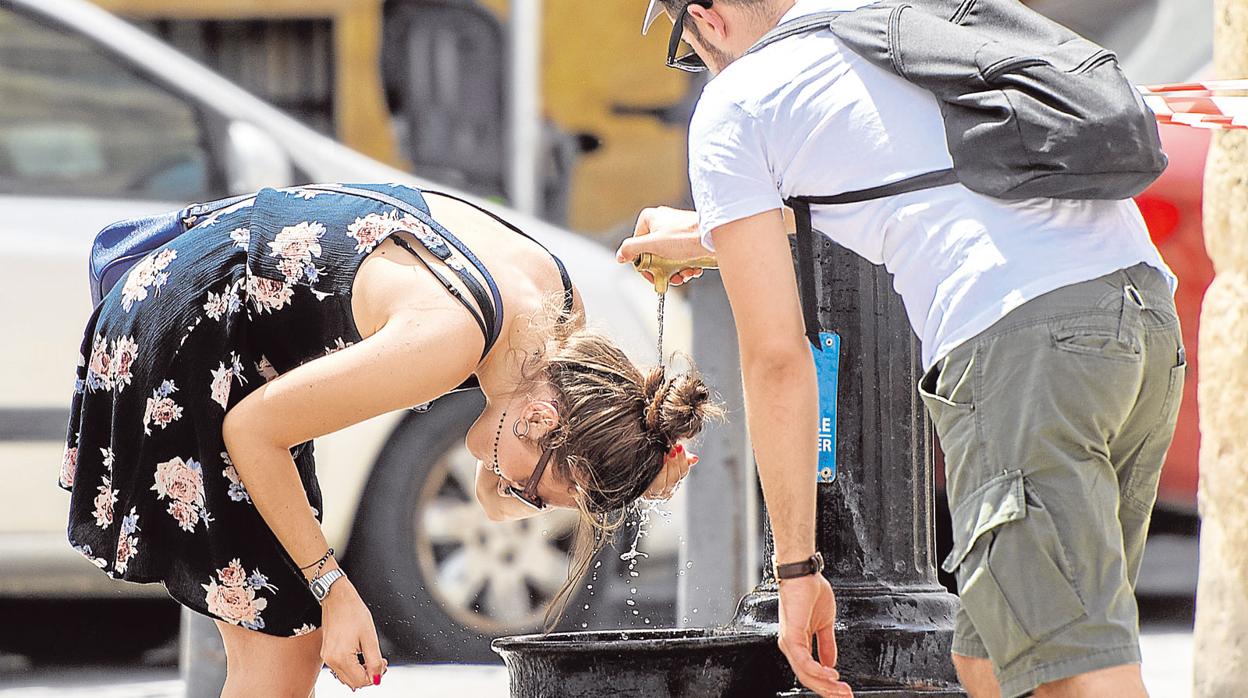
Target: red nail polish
376, 679
679, 448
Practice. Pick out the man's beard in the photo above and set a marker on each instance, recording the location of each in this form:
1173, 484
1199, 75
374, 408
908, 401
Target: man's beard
715, 58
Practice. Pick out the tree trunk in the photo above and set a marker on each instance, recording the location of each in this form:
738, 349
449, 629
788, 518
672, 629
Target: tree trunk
1221, 643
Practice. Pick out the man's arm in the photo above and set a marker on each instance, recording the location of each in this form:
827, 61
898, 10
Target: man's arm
781, 391
781, 405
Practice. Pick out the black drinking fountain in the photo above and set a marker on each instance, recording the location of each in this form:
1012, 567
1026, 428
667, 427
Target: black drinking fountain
894, 621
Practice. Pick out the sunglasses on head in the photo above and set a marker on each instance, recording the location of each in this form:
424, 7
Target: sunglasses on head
689, 62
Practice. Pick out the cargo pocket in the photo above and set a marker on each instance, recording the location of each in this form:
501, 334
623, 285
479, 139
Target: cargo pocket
1010, 566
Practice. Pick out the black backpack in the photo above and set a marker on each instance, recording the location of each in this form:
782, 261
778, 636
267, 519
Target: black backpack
1031, 109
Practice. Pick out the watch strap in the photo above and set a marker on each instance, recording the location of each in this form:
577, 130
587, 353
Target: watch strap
792, 570
320, 585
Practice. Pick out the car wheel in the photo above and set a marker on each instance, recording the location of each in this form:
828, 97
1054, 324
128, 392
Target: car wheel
441, 579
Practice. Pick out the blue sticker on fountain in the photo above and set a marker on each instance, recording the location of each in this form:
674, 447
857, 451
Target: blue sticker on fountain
827, 366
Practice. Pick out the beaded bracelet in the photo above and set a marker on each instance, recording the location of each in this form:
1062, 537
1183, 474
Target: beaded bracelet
319, 563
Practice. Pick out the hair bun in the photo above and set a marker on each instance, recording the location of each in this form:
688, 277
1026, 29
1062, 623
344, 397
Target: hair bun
677, 407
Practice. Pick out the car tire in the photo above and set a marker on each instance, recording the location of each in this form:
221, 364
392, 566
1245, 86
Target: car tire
442, 580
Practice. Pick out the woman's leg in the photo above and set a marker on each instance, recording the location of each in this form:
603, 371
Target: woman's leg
266, 665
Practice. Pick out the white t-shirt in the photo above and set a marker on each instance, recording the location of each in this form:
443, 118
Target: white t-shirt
807, 116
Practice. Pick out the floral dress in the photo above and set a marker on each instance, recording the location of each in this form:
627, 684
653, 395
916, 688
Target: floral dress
248, 293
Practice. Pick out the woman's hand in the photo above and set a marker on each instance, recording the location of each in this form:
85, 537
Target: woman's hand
349, 633
675, 468
666, 232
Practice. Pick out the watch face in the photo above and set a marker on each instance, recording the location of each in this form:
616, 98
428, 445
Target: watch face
318, 589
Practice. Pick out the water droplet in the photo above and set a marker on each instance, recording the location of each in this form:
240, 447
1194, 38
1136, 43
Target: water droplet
647, 621
689, 565
598, 564
589, 586
586, 607
633, 574
695, 610
680, 573
685, 619
636, 612
630, 602
633, 590
585, 625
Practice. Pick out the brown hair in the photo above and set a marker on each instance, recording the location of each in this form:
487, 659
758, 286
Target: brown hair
616, 425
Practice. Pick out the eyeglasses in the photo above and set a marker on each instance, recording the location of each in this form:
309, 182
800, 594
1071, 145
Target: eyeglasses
690, 62
528, 495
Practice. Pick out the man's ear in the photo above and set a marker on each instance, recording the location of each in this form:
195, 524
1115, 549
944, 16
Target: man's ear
710, 21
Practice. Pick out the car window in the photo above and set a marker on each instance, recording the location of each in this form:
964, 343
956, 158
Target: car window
75, 123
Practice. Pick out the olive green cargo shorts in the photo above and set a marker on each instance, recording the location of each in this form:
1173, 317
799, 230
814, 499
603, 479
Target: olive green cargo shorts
1054, 423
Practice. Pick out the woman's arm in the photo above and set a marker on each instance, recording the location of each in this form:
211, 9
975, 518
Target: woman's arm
406, 362
410, 360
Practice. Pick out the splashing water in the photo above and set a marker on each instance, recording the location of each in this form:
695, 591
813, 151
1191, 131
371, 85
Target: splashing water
644, 509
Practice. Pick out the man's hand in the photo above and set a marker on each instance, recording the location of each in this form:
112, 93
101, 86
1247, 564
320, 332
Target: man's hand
808, 607
666, 232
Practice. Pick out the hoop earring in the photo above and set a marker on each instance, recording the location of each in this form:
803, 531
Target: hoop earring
515, 428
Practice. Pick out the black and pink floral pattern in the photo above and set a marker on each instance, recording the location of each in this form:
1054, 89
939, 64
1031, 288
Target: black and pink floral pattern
249, 293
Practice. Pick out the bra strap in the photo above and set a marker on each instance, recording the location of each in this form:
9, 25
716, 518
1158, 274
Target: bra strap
564, 278
474, 287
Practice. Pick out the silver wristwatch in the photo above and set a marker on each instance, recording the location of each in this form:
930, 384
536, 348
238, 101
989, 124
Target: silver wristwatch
320, 586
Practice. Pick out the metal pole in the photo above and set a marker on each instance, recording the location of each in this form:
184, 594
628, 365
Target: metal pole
201, 656
1221, 644
717, 554
525, 106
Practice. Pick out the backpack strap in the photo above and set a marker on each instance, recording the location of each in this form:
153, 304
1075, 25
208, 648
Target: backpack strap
793, 27
806, 239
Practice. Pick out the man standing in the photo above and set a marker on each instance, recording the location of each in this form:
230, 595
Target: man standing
1051, 347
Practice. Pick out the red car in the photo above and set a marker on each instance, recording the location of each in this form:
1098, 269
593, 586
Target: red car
1165, 41
1172, 208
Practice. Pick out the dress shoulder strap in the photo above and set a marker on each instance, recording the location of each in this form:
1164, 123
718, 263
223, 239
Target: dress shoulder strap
564, 277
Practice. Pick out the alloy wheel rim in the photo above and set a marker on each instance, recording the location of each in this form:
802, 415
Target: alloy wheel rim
493, 577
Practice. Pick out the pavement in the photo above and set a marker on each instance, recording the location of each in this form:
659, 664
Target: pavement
1167, 673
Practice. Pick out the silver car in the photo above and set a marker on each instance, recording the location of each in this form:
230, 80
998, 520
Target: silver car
100, 121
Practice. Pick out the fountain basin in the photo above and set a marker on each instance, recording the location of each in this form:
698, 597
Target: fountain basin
724, 662
642, 663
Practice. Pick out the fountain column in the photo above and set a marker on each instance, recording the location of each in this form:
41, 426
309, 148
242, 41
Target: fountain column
874, 522
895, 622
